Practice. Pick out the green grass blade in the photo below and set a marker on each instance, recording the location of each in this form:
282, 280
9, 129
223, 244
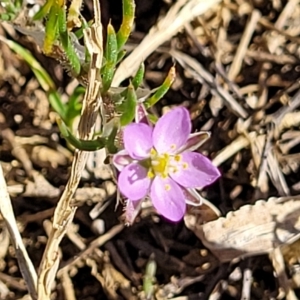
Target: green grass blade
162, 90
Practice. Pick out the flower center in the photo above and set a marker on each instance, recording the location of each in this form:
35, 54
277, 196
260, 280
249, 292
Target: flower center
159, 163
162, 164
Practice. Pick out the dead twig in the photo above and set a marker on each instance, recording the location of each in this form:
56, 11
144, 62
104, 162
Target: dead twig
25, 264
65, 212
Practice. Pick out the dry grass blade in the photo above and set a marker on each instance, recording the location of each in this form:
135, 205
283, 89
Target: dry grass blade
239, 143
26, 266
206, 78
243, 46
278, 264
64, 212
95, 244
246, 291
181, 13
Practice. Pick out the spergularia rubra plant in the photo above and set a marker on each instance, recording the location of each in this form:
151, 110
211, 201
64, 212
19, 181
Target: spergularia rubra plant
160, 163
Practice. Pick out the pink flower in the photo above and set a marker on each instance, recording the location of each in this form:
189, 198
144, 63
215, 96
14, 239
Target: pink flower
160, 163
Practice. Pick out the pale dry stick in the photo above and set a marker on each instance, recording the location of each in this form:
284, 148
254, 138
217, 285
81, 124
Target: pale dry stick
74, 237
85, 252
218, 290
25, 264
18, 150
278, 116
238, 144
180, 14
268, 25
291, 119
259, 148
94, 244
262, 92
66, 282
67, 286
272, 42
279, 266
285, 13
246, 290
263, 56
4, 290
4, 241
288, 141
65, 212
276, 175
243, 46
12, 282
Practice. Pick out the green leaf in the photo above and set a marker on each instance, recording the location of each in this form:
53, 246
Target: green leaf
139, 76
66, 43
127, 22
129, 106
162, 90
111, 56
43, 11
51, 29
84, 145
73, 107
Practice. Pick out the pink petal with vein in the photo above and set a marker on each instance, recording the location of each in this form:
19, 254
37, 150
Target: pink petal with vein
167, 198
138, 140
172, 131
192, 197
199, 172
133, 182
121, 159
132, 209
195, 140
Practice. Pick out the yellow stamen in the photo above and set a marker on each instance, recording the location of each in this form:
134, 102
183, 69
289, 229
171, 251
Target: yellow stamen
185, 166
167, 187
177, 157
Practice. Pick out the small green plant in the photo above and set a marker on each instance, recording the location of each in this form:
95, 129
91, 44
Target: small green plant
12, 8
63, 29
149, 278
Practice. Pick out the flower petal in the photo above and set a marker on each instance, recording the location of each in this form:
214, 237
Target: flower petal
133, 182
121, 159
192, 197
167, 198
172, 131
141, 115
132, 209
194, 141
138, 140
194, 170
